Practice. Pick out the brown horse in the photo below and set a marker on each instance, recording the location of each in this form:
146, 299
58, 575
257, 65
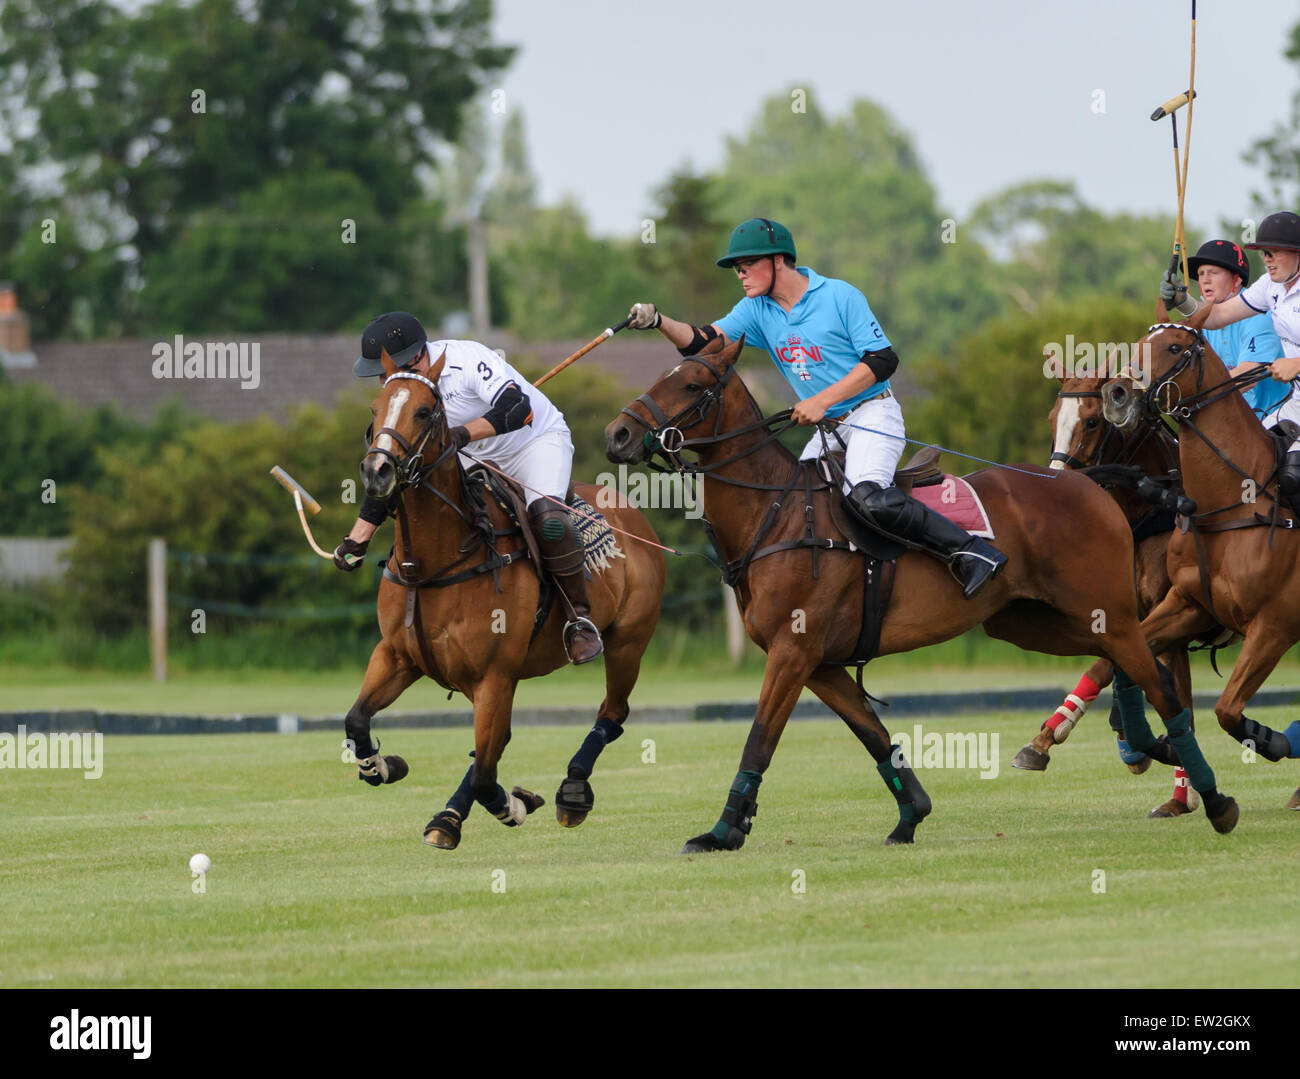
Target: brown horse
1237, 563
459, 601
1083, 438
805, 607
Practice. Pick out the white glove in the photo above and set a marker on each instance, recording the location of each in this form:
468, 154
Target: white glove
644, 316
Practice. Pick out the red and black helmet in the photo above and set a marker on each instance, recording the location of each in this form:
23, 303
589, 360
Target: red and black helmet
1221, 253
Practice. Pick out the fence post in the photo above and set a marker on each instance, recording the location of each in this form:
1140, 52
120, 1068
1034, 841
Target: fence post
735, 628
158, 607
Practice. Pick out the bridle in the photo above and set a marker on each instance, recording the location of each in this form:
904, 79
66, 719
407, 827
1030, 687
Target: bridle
665, 436
1107, 452
411, 470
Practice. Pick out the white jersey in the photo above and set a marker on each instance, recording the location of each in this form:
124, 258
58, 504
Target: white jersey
1283, 304
471, 381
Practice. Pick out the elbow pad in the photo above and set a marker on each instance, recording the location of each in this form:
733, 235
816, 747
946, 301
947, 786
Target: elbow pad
511, 411
883, 363
702, 336
373, 510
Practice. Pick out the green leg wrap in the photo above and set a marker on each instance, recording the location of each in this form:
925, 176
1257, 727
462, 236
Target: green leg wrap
903, 786
1133, 713
738, 816
1199, 774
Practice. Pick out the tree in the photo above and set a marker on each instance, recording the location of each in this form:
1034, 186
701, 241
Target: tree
690, 233
174, 110
1279, 154
854, 194
564, 283
989, 395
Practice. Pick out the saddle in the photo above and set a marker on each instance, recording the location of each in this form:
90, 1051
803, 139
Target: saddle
922, 470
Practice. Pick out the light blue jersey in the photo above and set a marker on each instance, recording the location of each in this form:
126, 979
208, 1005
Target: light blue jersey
1252, 340
820, 341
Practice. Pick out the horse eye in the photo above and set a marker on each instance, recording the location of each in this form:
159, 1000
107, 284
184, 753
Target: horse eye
1173, 349
424, 413
1091, 423
693, 387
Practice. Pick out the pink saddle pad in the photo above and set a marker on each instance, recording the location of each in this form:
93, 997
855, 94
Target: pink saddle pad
956, 499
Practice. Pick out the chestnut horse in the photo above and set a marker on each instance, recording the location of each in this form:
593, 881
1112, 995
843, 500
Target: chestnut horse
1237, 564
464, 608
1082, 439
1059, 592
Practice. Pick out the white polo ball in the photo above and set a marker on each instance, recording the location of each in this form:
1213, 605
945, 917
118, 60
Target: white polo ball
200, 863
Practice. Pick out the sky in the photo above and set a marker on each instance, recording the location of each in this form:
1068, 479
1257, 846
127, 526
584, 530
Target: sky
617, 95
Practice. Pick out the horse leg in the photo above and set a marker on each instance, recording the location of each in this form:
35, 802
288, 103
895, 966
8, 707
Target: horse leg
387, 674
1263, 647
1180, 745
786, 672
841, 695
1184, 799
575, 798
1034, 757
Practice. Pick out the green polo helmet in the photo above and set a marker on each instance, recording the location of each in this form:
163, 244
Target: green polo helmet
755, 237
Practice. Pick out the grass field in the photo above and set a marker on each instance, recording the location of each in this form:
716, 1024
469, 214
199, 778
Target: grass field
319, 880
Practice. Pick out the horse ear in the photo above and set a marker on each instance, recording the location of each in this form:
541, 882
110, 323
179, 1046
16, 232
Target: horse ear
1198, 320
729, 354
436, 369
387, 361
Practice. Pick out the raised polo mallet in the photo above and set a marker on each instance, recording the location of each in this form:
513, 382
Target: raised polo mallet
609, 332
1170, 107
301, 498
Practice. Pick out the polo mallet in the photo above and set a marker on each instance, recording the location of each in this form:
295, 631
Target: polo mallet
301, 498
609, 332
1180, 173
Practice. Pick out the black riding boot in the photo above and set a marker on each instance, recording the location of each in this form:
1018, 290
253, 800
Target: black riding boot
1288, 480
562, 558
889, 511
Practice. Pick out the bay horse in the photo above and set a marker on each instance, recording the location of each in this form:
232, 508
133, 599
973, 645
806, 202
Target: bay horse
1082, 438
458, 605
804, 607
1236, 562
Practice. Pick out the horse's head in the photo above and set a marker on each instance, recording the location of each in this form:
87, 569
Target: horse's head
675, 408
1078, 427
412, 432
1173, 367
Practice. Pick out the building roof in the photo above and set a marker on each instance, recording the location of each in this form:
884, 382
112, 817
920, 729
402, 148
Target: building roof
297, 368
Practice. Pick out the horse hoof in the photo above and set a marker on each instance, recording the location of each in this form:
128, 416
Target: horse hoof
395, 768
1226, 820
1171, 808
573, 801
708, 843
1030, 759
532, 802
1140, 767
443, 831
902, 835
1295, 801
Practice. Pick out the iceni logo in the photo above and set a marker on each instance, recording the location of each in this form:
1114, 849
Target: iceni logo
794, 351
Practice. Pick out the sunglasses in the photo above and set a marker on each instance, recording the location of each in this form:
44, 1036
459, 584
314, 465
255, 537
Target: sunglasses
743, 266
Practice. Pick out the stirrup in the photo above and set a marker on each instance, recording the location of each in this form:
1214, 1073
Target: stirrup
580, 623
979, 576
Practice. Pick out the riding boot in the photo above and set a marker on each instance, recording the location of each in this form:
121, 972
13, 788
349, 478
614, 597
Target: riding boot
1288, 480
562, 558
889, 511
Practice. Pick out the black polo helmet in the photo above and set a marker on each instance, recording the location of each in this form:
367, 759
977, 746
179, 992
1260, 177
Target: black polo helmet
1220, 253
1278, 232
398, 332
